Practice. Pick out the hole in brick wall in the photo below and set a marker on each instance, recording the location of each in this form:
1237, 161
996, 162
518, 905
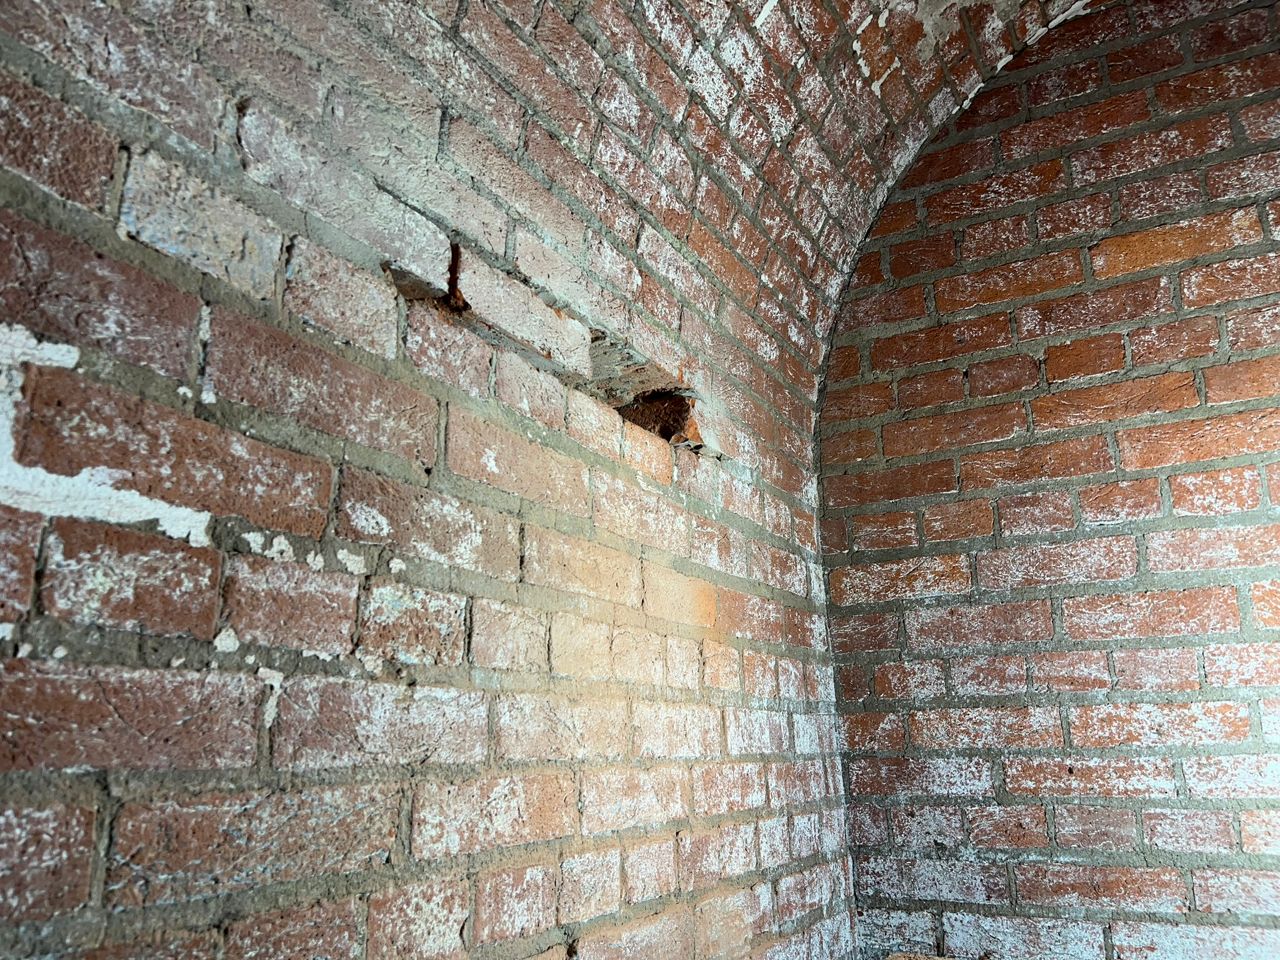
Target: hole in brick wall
666, 413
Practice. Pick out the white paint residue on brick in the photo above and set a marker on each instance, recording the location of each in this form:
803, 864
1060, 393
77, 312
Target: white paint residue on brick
352, 561
91, 494
764, 13
226, 641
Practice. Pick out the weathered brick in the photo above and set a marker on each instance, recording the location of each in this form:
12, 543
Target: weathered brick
168, 851
65, 717
503, 811
412, 624
319, 615
418, 920
354, 305
72, 424
322, 929
555, 560
19, 542
334, 723
46, 856
266, 368
428, 525
162, 201
131, 581
514, 902
487, 453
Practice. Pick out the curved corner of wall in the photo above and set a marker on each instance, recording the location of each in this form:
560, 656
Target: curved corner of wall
1050, 440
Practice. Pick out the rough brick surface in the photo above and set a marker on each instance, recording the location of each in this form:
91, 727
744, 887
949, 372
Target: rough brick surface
1065, 605
454, 661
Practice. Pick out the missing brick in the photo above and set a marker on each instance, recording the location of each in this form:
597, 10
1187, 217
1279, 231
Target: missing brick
666, 413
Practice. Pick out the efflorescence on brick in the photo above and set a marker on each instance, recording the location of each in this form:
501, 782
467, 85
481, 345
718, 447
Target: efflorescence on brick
1047, 457
343, 613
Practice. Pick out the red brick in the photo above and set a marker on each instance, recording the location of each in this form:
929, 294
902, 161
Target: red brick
901, 579
932, 880
354, 305
1026, 464
1085, 358
1232, 280
901, 777
1117, 401
1070, 672
46, 857
665, 936
1216, 493
1007, 375
1160, 246
996, 625
1149, 198
1118, 502
1159, 724
1131, 301
514, 902
1110, 887
990, 729
1245, 380
322, 929
912, 679
929, 389
1069, 127
1079, 777
851, 633
622, 798
1237, 891
325, 723
590, 885
706, 857
502, 811
883, 531
266, 368
1233, 777
1241, 665
444, 350
1024, 278
922, 256
949, 163
68, 717
649, 870
72, 424
1110, 558
1256, 431
413, 625
1073, 217
1266, 604
1029, 513
132, 581
1147, 151
486, 453
55, 146
1216, 85
728, 787
895, 483
426, 524
1151, 56
894, 218
159, 946
676, 731
1095, 828
959, 520
1013, 827
1212, 549
857, 402
1165, 613
1241, 178
321, 612
992, 237
874, 732
883, 308
19, 542
1170, 342
1253, 329
947, 431
994, 192
988, 676
1156, 669
1190, 831
167, 851
419, 920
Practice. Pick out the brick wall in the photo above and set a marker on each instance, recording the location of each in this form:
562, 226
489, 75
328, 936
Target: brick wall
1050, 437
338, 616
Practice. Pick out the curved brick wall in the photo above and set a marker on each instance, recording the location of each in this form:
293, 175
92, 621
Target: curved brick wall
1050, 444
339, 620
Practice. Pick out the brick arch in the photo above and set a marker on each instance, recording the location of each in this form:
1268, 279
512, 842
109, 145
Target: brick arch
1049, 443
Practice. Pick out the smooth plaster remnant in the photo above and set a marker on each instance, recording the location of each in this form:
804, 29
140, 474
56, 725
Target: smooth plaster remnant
90, 494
